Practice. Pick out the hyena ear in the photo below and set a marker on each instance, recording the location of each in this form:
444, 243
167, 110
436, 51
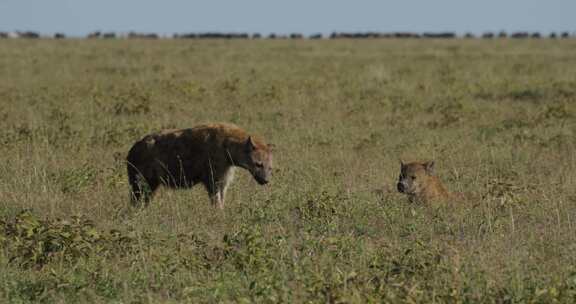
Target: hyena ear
271, 146
250, 146
401, 163
429, 166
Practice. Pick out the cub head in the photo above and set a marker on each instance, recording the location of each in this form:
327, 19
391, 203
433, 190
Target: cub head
258, 160
414, 176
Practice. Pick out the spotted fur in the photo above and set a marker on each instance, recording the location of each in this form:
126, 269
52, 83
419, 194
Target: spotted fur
205, 154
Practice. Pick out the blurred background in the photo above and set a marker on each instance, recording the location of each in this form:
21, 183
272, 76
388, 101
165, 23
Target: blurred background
78, 18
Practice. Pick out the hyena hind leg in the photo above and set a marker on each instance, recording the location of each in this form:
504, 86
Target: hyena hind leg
142, 191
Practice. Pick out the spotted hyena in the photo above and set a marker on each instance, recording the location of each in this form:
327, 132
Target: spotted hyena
418, 181
206, 154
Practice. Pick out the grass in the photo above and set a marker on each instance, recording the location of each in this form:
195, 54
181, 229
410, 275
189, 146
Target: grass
498, 117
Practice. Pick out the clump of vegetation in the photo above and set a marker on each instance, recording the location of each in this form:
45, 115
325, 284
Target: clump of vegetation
33, 243
30, 242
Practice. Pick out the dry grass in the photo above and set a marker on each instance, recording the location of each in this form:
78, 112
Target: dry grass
499, 118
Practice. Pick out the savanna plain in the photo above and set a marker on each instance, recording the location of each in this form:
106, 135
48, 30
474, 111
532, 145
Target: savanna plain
497, 116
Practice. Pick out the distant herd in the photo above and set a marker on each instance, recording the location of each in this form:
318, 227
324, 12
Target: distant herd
333, 35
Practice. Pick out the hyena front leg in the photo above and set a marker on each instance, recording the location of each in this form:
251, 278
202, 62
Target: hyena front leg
218, 200
215, 194
224, 183
218, 186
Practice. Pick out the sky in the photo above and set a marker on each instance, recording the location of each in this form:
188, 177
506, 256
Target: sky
79, 17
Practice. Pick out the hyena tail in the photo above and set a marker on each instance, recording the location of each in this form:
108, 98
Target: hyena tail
140, 190
135, 193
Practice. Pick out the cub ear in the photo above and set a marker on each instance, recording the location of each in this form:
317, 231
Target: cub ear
271, 146
250, 146
401, 163
429, 166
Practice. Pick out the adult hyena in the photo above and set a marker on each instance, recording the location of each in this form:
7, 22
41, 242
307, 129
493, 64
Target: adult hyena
205, 154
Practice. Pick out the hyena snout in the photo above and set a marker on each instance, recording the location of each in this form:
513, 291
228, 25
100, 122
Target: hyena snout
261, 177
401, 187
262, 181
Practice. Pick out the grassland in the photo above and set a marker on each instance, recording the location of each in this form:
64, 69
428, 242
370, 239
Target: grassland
499, 118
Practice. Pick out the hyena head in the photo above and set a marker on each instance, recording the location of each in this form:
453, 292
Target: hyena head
414, 176
258, 160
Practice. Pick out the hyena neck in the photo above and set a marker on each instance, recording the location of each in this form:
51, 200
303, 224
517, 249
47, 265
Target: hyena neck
236, 155
434, 190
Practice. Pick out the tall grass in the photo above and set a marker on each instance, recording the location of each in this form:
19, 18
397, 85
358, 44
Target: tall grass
499, 118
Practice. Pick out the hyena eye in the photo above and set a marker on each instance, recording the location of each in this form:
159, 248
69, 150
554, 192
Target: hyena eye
413, 176
259, 165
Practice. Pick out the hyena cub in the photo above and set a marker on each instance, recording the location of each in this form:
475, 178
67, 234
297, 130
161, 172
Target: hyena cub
205, 154
417, 180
